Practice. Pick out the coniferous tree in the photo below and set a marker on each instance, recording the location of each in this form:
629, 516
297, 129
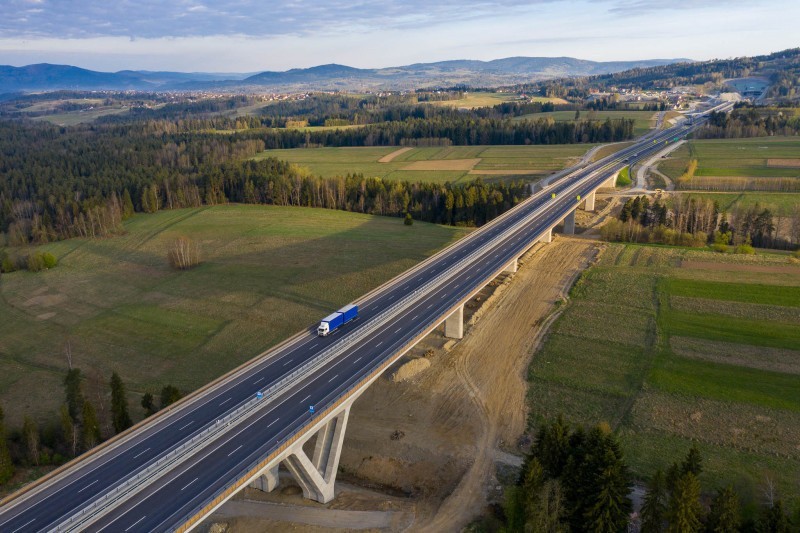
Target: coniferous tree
724, 515
683, 514
610, 504
90, 431
119, 405
654, 507
552, 446
169, 395
127, 205
693, 462
6, 464
74, 393
549, 514
773, 519
148, 403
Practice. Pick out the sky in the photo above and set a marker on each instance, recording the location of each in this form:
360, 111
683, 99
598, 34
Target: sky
258, 35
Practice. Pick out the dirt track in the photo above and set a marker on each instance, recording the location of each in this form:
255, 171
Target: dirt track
439, 437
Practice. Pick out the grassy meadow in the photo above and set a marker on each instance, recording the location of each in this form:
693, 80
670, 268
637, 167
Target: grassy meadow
453, 164
472, 100
674, 346
266, 273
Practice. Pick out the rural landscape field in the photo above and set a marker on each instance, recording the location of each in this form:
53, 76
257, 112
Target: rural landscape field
117, 305
454, 164
674, 346
477, 266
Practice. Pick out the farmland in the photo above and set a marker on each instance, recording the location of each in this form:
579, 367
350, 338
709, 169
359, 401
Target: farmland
472, 100
643, 120
761, 163
664, 345
266, 273
453, 164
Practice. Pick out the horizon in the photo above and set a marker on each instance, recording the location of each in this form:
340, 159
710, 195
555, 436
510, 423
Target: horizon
241, 36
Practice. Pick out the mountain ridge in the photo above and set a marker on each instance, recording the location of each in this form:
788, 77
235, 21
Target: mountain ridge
48, 77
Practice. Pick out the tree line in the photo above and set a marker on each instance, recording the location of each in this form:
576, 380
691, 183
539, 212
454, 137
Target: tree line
747, 121
691, 221
92, 412
577, 480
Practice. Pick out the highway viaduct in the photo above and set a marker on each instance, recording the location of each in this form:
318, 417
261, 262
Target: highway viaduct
172, 470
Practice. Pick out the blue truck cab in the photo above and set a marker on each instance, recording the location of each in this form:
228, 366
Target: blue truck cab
335, 320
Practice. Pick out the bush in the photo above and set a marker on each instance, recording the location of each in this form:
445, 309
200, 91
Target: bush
8, 265
745, 249
796, 253
720, 248
36, 262
50, 260
408, 221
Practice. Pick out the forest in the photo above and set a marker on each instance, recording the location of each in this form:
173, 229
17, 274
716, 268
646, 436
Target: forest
60, 182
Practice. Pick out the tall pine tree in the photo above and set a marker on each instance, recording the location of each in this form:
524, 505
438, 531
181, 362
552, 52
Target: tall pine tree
654, 507
119, 405
724, 516
684, 510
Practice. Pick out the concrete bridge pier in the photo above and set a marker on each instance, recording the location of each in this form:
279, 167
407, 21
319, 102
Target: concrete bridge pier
268, 480
547, 237
589, 203
317, 475
610, 183
454, 324
512, 266
569, 223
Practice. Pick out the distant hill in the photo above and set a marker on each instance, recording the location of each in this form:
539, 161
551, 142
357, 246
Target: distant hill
47, 77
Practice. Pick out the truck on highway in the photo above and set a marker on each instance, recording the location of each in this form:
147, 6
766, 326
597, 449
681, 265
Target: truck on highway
330, 323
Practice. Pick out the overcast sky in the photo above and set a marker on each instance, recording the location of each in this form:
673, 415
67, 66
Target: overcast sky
256, 35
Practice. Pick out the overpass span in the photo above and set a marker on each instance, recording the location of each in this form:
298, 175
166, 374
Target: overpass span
175, 468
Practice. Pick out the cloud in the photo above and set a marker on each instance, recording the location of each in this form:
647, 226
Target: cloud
185, 18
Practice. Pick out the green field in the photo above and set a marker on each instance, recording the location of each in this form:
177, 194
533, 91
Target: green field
81, 117
453, 164
777, 202
472, 100
267, 272
643, 120
748, 157
672, 355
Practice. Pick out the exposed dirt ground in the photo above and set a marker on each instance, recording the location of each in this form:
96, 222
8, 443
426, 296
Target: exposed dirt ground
429, 450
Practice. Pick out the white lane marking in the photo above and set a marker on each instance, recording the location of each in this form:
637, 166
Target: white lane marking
287, 362
236, 450
89, 485
23, 525
391, 297
184, 427
259, 379
430, 306
398, 329
334, 377
359, 359
268, 425
413, 317
134, 524
184, 487
306, 398
379, 344
140, 453
226, 401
